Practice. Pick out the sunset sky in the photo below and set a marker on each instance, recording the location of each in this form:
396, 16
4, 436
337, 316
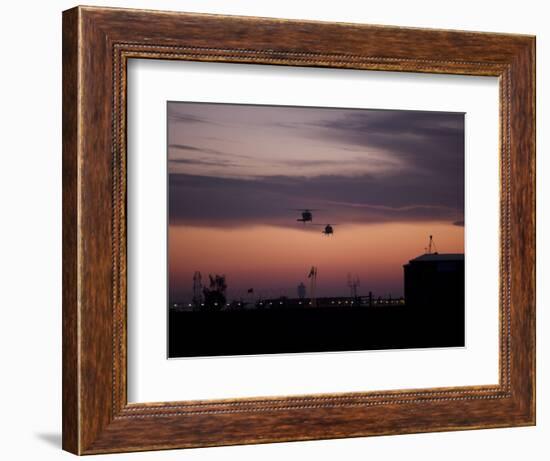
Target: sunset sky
385, 179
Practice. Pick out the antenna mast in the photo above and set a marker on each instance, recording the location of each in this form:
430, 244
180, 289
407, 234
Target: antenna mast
431, 247
197, 288
312, 285
353, 283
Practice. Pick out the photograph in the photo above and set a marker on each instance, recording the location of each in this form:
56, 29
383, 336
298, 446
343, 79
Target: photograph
313, 229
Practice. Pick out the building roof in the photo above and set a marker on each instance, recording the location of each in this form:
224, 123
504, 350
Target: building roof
439, 257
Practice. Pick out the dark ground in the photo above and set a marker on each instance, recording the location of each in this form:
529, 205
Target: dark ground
272, 331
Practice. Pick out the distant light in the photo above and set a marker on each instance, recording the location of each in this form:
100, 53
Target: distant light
202, 304
346, 302
280, 302
332, 302
189, 305
299, 302
215, 304
227, 304
351, 302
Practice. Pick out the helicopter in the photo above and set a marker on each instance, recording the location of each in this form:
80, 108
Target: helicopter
328, 229
307, 215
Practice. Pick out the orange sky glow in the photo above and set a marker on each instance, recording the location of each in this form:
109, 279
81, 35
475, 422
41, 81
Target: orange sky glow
239, 177
274, 260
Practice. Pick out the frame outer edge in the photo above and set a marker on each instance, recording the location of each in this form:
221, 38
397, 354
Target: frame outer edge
531, 265
70, 273
91, 422
533, 51
522, 190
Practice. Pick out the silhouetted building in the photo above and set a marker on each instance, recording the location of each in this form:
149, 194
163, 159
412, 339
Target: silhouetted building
435, 280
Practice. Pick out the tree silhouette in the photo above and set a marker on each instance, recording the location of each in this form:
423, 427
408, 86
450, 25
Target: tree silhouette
214, 295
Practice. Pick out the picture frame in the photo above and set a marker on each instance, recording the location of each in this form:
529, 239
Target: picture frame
97, 45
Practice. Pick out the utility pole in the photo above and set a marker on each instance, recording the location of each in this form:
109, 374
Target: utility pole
353, 283
197, 289
312, 285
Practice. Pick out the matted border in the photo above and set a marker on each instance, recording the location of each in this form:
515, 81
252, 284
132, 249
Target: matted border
123, 52
97, 45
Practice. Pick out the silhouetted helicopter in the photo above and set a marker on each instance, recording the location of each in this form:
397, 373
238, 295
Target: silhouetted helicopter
328, 229
307, 216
